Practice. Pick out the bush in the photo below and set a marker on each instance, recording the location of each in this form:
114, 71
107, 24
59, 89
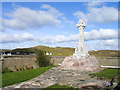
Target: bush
16, 68
24, 67
41, 58
6, 70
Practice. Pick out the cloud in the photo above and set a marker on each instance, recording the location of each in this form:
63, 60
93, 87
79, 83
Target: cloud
26, 18
6, 38
96, 39
102, 34
16, 38
111, 42
58, 39
52, 10
93, 4
102, 14
1, 25
108, 44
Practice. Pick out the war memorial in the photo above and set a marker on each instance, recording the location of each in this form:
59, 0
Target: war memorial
80, 60
74, 70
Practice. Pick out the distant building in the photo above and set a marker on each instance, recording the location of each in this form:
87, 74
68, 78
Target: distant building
4, 54
48, 53
9, 54
32, 54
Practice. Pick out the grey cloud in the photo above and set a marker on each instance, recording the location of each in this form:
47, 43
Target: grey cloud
6, 38
101, 34
25, 18
96, 14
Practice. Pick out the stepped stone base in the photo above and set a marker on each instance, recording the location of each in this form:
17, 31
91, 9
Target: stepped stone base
88, 63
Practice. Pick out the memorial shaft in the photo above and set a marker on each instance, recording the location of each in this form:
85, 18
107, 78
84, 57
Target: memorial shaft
81, 37
81, 50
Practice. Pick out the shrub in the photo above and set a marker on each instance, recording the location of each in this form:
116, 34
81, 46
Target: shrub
41, 58
16, 68
24, 67
6, 70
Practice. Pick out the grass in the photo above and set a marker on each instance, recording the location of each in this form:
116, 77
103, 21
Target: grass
0, 79
57, 51
17, 77
66, 51
105, 53
108, 73
59, 86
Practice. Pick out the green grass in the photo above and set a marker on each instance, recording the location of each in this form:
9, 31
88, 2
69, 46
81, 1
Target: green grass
66, 51
105, 53
59, 86
107, 73
17, 77
57, 51
0, 79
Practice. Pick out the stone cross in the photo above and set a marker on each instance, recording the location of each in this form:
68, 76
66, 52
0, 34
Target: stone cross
81, 50
81, 24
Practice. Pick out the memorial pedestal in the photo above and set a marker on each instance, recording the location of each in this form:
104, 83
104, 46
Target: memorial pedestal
88, 63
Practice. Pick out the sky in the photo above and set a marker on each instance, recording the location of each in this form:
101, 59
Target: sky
28, 24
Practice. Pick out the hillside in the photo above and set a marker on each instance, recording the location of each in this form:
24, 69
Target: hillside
66, 51
57, 51
105, 53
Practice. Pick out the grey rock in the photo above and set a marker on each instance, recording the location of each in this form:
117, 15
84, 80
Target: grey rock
55, 75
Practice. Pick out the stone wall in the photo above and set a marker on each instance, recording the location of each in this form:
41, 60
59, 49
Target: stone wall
0, 65
20, 60
56, 60
108, 61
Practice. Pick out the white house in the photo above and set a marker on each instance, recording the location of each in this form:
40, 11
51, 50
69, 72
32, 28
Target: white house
48, 53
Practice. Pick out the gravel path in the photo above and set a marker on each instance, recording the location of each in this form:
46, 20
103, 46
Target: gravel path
55, 75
